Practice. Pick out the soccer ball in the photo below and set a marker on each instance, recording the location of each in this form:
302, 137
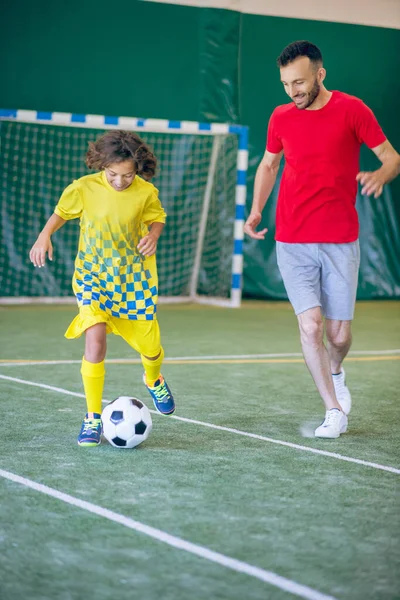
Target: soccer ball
126, 422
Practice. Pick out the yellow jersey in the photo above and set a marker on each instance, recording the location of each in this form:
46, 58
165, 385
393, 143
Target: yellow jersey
110, 273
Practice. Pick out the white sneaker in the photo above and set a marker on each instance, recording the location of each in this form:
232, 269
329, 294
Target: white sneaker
342, 392
335, 423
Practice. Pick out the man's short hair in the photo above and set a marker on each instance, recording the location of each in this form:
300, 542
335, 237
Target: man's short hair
297, 49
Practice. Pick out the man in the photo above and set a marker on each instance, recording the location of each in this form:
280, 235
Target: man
320, 134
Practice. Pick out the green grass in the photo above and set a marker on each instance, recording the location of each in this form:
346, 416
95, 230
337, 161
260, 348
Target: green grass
319, 521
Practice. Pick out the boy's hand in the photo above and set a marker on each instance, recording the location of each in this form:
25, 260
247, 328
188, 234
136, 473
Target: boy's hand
39, 249
147, 245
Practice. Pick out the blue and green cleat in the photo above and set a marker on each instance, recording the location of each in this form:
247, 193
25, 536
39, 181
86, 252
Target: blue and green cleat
162, 396
90, 434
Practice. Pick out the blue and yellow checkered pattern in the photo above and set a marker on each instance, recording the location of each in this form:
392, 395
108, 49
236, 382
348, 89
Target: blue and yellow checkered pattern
111, 275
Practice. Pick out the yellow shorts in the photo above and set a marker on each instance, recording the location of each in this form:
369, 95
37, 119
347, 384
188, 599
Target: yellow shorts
142, 336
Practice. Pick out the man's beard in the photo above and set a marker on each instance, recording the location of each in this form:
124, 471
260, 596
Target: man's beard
311, 95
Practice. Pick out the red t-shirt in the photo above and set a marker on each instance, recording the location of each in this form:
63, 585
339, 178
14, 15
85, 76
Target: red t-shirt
318, 190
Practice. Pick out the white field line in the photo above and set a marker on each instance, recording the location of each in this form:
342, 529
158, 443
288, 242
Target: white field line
226, 429
216, 357
277, 581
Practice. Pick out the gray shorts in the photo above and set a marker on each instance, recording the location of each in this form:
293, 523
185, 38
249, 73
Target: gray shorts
323, 275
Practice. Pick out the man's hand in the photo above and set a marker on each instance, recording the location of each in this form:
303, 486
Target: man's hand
148, 245
251, 224
372, 183
39, 249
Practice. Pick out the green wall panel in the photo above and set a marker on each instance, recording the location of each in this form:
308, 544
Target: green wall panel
124, 58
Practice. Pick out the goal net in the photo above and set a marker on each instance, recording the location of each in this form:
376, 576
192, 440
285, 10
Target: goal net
201, 181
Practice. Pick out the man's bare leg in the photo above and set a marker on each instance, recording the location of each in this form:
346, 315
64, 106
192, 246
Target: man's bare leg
339, 338
317, 359
338, 334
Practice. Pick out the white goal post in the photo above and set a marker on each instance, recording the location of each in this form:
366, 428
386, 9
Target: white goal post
203, 183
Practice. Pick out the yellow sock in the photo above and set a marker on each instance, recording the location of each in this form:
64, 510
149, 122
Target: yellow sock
152, 368
93, 382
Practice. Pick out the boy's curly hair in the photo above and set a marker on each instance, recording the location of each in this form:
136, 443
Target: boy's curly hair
117, 146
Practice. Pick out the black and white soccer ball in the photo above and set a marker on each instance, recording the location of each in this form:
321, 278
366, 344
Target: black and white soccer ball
126, 422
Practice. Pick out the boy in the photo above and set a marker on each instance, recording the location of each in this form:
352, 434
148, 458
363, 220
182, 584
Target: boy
115, 280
